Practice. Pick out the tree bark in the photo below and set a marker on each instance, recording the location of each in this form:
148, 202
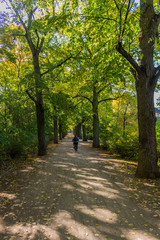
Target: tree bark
95, 119
145, 85
79, 131
39, 108
55, 130
84, 133
60, 129
147, 159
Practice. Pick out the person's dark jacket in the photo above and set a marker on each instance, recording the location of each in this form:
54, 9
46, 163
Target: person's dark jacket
75, 139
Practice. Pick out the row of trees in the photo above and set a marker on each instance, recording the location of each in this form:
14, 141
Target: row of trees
71, 62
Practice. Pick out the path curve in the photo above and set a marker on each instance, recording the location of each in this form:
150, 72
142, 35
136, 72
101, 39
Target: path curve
84, 195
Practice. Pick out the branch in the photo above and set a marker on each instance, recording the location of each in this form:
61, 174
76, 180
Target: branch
30, 17
32, 98
97, 17
56, 66
17, 14
41, 45
102, 89
38, 38
59, 64
83, 97
87, 47
116, 4
128, 57
39, 48
126, 16
109, 99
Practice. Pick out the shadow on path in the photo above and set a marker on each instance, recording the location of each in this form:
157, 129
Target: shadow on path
84, 195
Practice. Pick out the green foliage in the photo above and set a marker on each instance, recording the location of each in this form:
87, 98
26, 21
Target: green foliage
119, 127
126, 147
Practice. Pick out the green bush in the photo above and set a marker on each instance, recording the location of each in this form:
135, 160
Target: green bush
14, 148
112, 140
127, 149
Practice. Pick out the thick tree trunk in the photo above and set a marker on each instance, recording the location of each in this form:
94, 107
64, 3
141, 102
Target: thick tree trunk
39, 108
95, 119
146, 76
147, 159
55, 130
84, 133
145, 85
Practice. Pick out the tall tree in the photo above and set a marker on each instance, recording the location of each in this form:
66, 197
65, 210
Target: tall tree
35, 20
22, 11
146, 75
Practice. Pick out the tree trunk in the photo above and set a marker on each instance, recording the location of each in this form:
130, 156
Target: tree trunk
39, 108
41, 129
124, 121
95, 119
147, 159
55, 130
84, 133
39, 96
60, 129
77, 131
146, 76
145, 85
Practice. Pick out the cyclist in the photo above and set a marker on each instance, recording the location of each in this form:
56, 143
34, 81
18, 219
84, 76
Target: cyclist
75, 141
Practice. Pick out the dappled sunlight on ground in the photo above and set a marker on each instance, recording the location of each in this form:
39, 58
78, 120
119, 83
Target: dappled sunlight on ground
71, 227
108, 193
138, 235
84, 195
30, 231
6, 195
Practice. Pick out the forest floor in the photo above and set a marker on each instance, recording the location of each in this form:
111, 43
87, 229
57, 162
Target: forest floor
84, 195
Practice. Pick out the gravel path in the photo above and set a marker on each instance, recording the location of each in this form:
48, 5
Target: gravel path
84, 195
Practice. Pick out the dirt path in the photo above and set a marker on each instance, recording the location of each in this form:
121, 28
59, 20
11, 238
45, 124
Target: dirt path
85, 195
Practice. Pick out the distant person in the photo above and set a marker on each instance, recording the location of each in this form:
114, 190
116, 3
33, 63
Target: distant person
75, 141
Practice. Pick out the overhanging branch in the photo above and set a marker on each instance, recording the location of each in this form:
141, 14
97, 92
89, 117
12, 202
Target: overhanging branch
110, 99
83, 97
31, 97
56, 66
59, 64
128, 57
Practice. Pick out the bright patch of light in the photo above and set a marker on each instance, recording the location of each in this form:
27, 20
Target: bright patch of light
156, 96
3, 6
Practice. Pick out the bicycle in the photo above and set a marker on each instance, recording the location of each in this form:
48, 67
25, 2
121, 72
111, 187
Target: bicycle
75, 146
